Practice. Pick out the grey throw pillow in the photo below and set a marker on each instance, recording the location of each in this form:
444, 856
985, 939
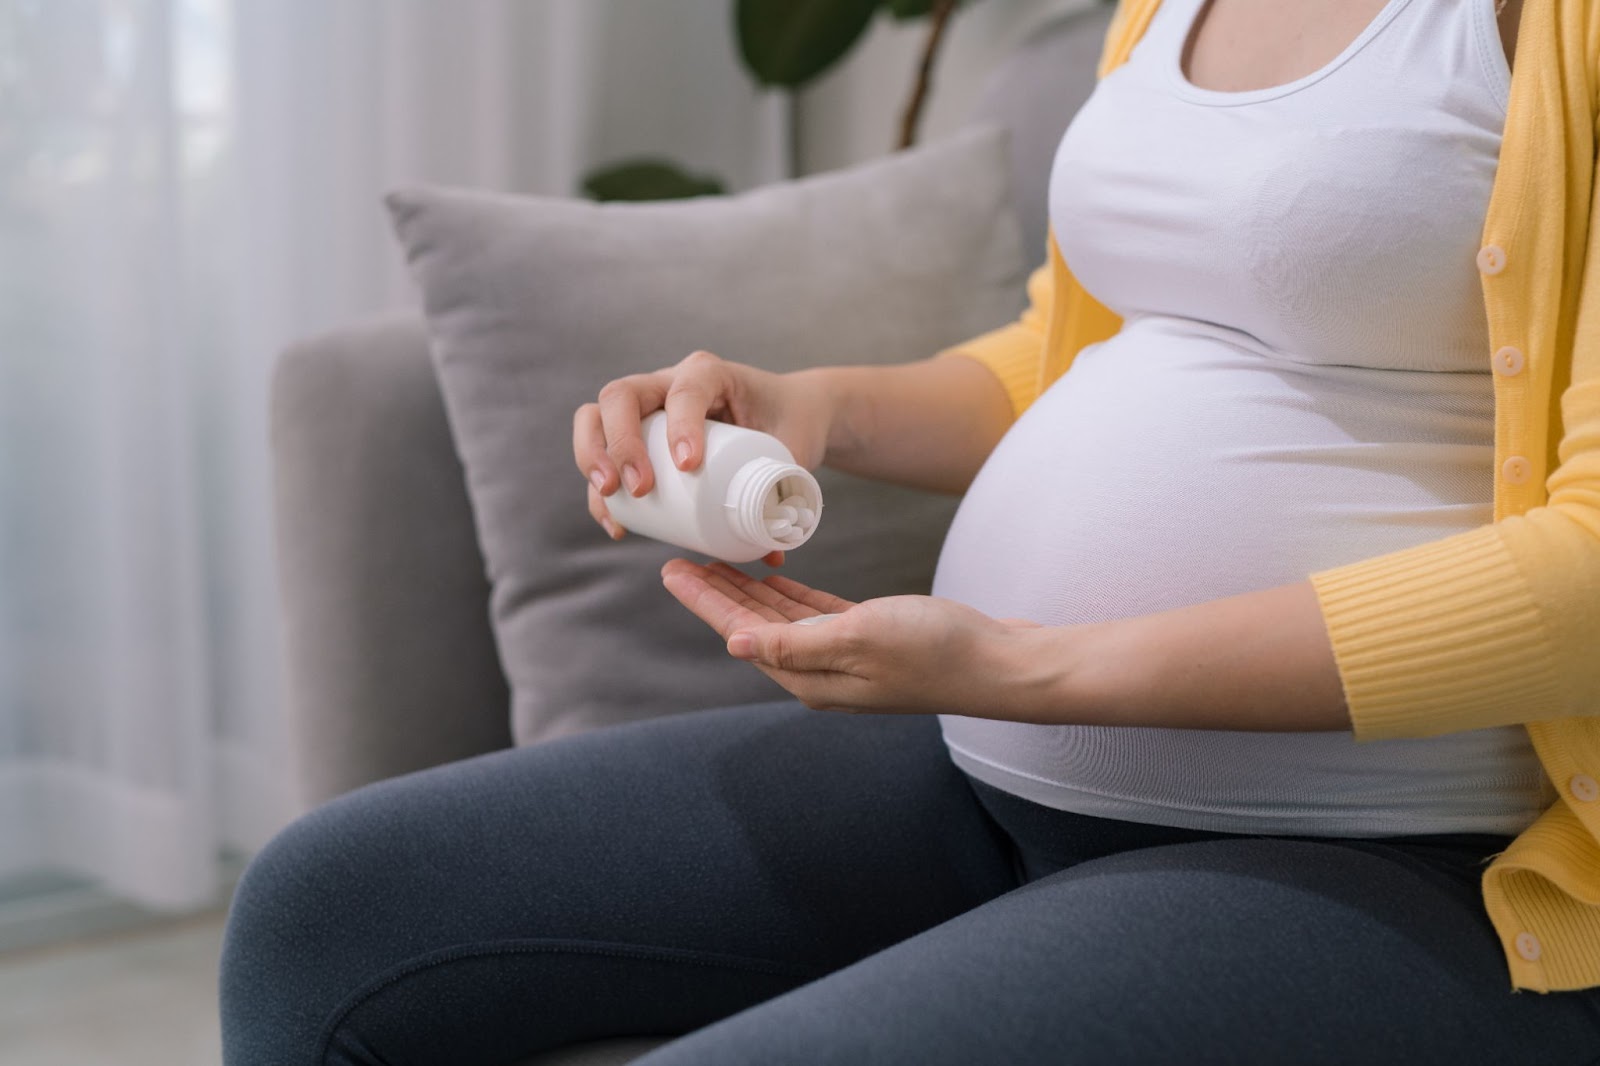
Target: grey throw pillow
533, 304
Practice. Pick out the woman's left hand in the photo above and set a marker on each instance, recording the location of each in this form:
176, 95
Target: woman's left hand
905, 654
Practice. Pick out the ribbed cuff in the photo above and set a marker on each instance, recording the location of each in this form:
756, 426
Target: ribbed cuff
1438, 638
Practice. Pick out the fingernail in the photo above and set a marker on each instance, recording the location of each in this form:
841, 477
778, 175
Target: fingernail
613, 529
683, 452
630, 477
598, 480
742, 646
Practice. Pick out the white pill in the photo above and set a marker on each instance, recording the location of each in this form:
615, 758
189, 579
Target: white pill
780, 528
807, 517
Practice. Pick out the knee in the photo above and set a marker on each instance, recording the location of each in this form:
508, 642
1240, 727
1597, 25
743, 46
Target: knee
294, 918
282, 896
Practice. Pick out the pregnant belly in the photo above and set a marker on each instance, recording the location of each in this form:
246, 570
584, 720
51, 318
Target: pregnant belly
1175, 464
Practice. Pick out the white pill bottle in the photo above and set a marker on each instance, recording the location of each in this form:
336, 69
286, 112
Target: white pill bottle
747, 497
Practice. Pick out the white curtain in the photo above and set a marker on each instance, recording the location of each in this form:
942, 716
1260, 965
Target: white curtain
185, 187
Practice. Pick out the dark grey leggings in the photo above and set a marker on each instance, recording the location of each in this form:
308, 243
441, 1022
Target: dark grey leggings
789, 886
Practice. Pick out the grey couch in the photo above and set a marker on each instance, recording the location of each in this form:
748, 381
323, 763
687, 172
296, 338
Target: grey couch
391, 664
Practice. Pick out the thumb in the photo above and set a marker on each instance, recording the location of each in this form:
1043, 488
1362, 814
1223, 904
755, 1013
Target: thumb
785, 646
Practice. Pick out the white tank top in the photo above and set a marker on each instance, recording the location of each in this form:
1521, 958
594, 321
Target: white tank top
1302, 381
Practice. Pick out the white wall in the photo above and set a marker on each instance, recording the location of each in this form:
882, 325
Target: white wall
668, 82
853, 112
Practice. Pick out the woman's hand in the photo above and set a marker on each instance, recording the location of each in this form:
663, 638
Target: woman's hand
1256, 662
906, 654
610, 450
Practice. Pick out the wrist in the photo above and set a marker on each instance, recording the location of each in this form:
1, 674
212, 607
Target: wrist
1046, 673
833, 395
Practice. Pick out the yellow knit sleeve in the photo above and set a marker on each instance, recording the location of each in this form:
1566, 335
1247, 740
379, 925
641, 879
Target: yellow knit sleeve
1015, 351
1501, 624
1495, 626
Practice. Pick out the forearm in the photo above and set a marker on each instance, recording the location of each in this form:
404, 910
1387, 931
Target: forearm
1260, 661
929, 424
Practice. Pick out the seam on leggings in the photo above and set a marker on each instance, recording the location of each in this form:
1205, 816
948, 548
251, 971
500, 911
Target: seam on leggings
602, 948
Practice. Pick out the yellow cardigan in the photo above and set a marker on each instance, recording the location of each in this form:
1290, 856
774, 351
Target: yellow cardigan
1500, 624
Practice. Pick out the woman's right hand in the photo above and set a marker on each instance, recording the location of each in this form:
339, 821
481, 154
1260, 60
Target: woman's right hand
610, 450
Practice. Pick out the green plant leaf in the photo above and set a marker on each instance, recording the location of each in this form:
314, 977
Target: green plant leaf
648, 179
789, 42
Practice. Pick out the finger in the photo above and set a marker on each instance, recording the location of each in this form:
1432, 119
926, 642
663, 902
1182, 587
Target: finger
733, 584
597, 510
816, 599
696, 388
712, 605
623, 403
787, 609
589, 449
791, 647
773, 558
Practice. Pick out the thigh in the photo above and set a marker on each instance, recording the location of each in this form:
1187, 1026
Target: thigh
645, 879
1238, 952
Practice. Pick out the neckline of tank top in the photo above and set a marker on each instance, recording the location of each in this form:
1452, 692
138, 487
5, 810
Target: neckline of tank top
1478, 11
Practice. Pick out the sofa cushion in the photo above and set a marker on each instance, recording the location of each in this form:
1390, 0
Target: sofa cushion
534, 303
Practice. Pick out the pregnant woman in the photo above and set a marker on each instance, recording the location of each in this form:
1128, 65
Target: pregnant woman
1256, 714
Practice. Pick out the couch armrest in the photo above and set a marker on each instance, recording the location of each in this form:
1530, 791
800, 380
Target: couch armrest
390, 659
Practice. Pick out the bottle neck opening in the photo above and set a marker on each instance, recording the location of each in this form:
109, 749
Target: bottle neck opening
774, 505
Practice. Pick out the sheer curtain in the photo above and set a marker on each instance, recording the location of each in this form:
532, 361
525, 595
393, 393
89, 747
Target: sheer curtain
186, 186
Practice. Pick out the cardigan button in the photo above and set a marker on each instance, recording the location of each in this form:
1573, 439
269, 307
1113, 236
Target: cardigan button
1528, 947
1508, 362
1516, 470
1584, 788
1492, 259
